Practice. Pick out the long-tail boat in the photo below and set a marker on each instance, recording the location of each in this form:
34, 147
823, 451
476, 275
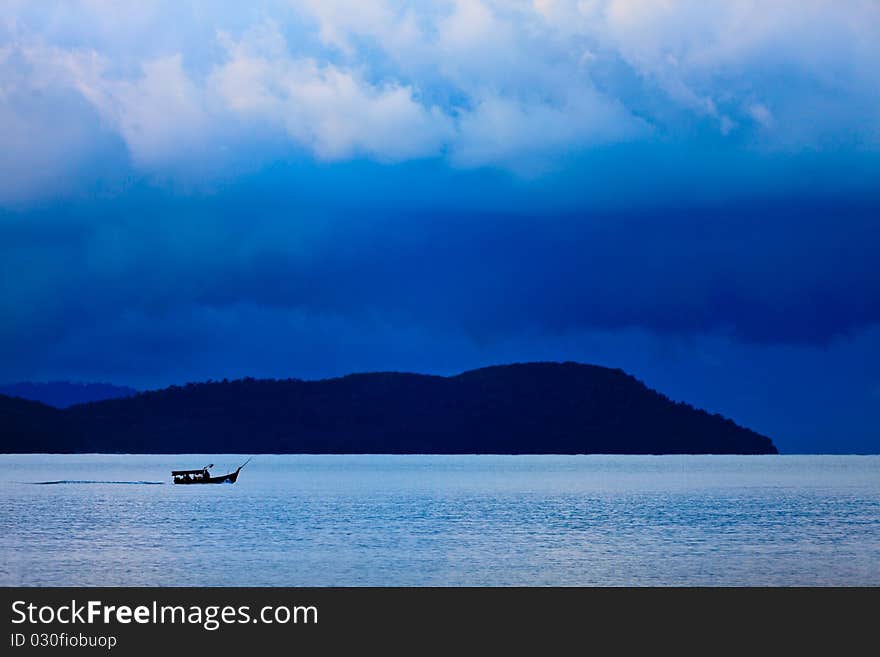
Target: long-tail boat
203, 476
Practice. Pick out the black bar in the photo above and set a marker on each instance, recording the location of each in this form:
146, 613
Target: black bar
457, 620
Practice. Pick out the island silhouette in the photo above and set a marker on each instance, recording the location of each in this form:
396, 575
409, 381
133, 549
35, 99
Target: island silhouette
62, 394
526, 408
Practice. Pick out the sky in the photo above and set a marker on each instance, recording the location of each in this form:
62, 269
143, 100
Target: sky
688, 190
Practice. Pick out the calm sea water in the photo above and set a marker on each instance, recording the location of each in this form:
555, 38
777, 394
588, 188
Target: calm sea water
442, 520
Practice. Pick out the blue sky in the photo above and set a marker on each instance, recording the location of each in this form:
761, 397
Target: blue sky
687, 190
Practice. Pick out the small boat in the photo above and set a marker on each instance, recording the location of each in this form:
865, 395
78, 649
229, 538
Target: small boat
204, 477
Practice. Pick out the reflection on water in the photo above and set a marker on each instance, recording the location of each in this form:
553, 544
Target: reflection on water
442, 520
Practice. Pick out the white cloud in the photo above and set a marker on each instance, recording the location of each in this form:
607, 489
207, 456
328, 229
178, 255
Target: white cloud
523, 134
329, 110
341, 22
482, 82
761, 115
39, 148
715, 59
160, 113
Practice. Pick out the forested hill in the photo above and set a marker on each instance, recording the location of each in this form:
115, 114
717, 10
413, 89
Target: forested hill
534, 408
62, 394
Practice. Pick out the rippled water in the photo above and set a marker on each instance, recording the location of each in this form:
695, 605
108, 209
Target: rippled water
442, 520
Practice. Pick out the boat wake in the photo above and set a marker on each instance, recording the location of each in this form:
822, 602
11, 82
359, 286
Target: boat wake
89, 481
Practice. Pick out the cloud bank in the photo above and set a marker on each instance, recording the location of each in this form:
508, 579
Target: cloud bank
516, 85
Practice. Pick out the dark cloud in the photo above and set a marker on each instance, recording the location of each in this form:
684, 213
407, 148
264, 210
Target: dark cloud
794, 270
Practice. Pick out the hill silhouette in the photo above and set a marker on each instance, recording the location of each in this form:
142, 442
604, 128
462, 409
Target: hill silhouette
29, 426
62, 394
534, 408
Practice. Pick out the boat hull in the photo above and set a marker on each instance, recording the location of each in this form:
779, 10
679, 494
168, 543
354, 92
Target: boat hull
222, 479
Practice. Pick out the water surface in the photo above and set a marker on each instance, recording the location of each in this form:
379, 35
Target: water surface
442, 520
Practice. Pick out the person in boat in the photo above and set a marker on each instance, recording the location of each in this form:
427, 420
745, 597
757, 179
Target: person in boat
205, 474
